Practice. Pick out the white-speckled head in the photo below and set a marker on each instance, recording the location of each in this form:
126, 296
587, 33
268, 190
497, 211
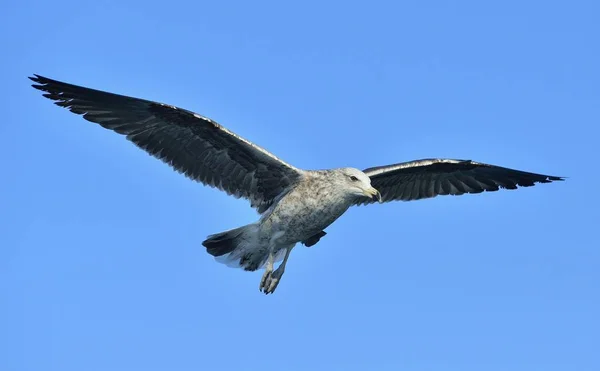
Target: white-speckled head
357, 183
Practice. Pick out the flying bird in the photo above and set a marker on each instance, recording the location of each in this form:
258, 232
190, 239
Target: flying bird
295, 205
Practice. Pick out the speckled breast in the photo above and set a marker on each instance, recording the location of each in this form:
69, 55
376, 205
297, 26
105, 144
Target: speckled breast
305, 211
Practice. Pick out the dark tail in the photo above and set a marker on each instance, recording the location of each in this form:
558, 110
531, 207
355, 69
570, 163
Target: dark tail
222, 243
238, 248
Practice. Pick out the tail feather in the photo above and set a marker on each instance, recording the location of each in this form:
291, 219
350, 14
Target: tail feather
239, 247
222, 243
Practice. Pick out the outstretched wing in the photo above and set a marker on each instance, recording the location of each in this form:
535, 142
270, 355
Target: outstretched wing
428, 178
192, 144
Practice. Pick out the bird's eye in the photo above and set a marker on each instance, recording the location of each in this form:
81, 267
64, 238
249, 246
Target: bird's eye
353, 178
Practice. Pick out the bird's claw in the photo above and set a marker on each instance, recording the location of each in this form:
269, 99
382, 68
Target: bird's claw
269, 282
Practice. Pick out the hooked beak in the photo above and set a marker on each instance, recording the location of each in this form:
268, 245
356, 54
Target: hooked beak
373, 194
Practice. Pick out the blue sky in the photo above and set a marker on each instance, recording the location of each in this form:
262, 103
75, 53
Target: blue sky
101, 265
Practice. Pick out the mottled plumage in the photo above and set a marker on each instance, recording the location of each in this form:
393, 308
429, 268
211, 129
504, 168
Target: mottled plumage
295, 205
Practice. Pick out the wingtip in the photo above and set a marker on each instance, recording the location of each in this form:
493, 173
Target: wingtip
552, 178
38, 80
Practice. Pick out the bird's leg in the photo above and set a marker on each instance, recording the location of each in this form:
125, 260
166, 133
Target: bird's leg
275, 277
268, 271
279, 271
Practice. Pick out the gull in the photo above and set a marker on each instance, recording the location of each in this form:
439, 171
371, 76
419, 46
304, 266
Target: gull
295, 205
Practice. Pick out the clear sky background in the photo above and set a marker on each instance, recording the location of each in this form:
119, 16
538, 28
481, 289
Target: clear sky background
101, 263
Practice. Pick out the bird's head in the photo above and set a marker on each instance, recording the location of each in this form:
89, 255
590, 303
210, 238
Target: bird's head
358, 183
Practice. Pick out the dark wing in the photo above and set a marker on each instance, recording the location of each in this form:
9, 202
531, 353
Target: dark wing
312, 240
415, 180
193, 145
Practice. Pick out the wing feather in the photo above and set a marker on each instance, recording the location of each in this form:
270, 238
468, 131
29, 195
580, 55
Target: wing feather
192, 144
429, 178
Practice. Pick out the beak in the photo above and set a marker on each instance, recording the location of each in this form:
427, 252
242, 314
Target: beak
373, 194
